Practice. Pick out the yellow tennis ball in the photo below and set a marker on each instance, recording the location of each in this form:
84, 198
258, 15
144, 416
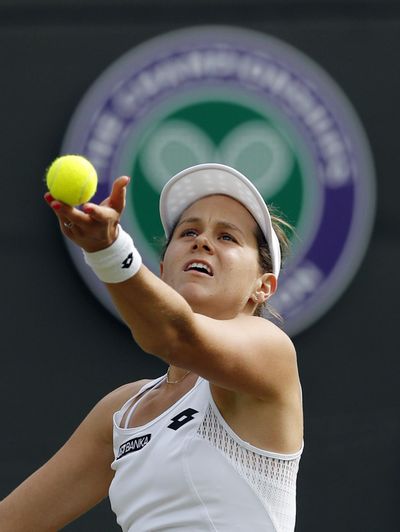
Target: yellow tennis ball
71, 179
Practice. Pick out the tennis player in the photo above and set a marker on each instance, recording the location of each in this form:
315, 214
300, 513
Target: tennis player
215, 443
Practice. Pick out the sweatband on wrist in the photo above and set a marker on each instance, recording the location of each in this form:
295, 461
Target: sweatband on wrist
118, 262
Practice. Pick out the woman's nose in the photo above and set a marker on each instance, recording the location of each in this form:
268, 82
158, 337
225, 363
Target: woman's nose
202, 242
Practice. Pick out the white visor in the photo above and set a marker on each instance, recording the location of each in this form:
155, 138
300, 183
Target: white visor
203, 180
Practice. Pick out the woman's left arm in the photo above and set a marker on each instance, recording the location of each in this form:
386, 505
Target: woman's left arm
244, 354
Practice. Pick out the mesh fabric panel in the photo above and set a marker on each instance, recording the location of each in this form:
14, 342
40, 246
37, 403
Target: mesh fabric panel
272, 479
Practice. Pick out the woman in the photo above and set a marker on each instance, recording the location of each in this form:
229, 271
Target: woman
215, 443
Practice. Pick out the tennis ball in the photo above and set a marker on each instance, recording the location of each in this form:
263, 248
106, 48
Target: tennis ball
71, 179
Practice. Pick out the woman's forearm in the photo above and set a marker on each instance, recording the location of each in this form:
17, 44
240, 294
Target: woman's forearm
156, 314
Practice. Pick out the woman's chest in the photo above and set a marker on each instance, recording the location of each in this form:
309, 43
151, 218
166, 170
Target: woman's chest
153, 403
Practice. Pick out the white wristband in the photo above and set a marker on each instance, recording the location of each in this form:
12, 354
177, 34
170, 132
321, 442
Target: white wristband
118, 262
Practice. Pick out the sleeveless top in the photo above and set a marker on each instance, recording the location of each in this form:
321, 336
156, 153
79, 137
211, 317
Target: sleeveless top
186, 470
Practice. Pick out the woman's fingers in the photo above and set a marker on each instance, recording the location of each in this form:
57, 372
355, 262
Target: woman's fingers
94, 227
48, 197
69, 214
69, 229
100, 213
117, 198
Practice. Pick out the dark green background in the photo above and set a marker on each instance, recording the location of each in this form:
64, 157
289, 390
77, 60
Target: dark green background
215, 119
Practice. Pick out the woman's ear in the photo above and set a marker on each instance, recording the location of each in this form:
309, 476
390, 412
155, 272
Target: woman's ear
265, 288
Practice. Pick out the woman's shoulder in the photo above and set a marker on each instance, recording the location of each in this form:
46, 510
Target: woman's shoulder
100, 417
267, 328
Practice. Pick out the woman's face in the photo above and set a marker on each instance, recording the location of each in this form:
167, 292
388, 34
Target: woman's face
212, 259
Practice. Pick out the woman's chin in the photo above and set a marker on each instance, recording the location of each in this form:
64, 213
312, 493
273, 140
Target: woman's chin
197, 296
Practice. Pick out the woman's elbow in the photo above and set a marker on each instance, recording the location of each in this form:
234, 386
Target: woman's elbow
166, 343
168, 337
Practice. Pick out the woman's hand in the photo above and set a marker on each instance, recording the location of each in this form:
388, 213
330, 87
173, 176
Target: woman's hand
95, 227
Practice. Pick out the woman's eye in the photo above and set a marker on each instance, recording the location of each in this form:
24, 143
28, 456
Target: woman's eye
228, 237
189, 232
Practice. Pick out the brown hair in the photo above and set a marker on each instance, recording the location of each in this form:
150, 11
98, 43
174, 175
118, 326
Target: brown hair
282, 229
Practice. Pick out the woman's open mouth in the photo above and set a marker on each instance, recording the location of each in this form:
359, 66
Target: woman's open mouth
199, 266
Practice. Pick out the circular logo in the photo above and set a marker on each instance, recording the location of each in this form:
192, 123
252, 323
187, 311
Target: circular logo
229, 95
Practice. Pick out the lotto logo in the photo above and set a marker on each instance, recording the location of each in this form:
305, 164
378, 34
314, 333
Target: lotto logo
181, 419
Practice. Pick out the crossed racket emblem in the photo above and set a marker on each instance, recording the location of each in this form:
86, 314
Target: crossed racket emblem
254, 148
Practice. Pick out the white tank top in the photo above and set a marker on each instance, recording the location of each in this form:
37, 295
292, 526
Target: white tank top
187, 471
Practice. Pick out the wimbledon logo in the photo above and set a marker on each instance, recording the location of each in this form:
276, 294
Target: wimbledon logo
222, 94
